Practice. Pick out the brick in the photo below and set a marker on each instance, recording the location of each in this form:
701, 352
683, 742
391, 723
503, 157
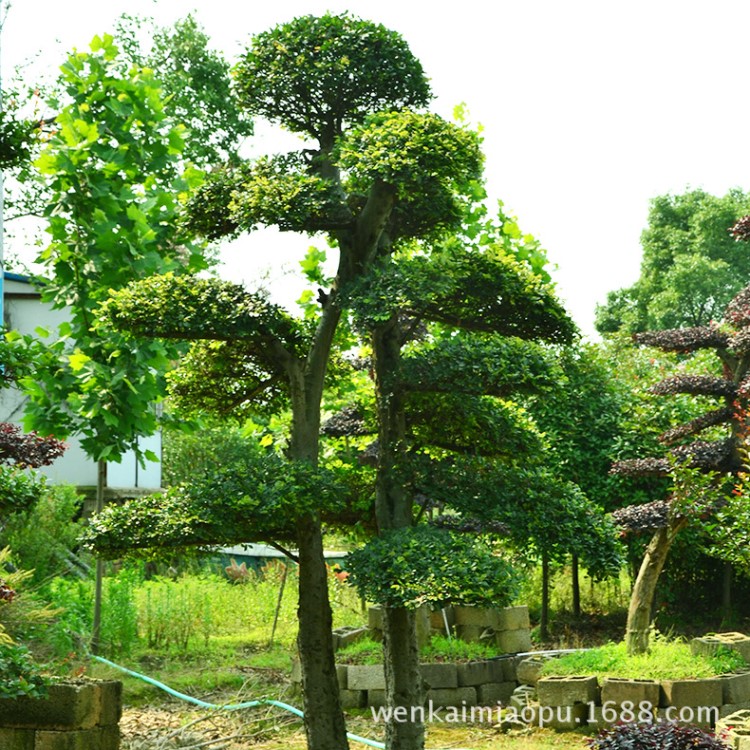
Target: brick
511, 618
493, 693
708, 692
637, 692
479, 672
353, 698
736, 687
566, 691
513, 641
460, 696
17, 739
375, 698
439, 675
709, 644
365, 677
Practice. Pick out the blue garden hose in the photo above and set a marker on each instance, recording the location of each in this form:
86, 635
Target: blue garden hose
230, 706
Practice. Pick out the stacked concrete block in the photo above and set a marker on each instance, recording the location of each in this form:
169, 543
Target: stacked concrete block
81, 715
567, 691
343, 637
708, 645
619, 692
440, 676
734, 729
691, 693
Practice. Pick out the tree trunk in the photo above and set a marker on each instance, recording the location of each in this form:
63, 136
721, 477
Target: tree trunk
393, 509
576, 582
544, 617
404, 685
96, 627
644, 589
324, 720
726, 594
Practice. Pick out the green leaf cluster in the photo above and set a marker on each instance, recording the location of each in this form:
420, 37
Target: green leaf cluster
414, 566
317, 75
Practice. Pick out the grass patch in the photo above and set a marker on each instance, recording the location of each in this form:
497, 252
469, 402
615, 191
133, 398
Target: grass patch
668, 659
439, 649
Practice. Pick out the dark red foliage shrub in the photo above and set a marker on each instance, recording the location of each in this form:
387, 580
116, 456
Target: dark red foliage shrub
656, 736
27, 449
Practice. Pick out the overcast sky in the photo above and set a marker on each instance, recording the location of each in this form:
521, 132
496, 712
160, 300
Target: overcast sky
590, 108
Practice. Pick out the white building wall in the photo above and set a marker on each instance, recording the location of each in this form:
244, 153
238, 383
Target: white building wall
25, 312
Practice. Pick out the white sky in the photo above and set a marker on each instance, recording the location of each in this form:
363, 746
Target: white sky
590, 108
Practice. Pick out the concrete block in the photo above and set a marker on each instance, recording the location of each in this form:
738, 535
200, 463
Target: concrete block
478, 616
529, 669
438, 676
460, 696
732, 708
511, 618
17, 739
365, 677
296, 675
736, 687
637, 692
523, 695
353, 698
707, 645
109, 694
513, 641
494, 693
67, 706
510, 667
98, 738
375, 698
437, 623
375, 618
480, 672
738, 719
342, 675
567, 691
707, 692
471, 633
563, 717
344, 637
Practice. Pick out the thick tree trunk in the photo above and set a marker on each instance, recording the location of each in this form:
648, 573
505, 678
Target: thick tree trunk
644, 589
324, 720
576, 582
404, 685
393, 507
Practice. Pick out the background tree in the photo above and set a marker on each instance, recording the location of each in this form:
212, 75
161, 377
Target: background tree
449, 433
691, 266
720, 459
346, 84
114, 188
